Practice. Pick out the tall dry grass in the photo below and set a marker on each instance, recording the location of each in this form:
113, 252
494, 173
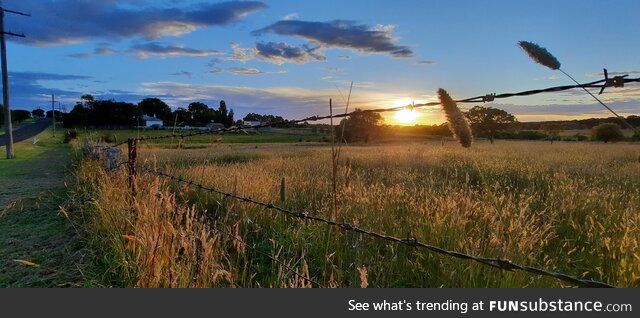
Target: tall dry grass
566, 207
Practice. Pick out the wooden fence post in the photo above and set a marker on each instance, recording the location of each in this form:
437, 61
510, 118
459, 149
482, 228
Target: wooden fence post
133, 154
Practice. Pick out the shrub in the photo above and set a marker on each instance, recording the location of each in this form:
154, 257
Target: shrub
70, 135
607, 132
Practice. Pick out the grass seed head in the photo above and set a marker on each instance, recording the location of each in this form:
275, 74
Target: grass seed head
540, 55
457, 123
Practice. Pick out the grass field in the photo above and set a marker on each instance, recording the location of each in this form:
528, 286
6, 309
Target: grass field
31, 225
568, 207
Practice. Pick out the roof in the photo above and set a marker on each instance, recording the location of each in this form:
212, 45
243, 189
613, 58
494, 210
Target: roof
149, 118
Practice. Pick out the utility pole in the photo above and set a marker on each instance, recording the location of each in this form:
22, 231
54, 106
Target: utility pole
53, 114
5, 79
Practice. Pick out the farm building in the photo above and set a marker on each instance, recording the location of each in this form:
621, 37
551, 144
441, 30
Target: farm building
252, 123
148, 121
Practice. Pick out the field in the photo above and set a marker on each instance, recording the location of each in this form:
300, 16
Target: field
567, 207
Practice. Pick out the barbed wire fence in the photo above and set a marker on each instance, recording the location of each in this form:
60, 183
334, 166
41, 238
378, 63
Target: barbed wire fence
498, 263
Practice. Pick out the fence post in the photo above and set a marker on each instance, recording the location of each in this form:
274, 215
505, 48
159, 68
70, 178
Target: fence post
133, 154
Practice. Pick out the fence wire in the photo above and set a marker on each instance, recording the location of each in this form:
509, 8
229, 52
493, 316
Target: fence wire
618, 81
502, 264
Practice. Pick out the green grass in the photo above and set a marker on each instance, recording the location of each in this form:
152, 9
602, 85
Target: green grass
31, 225
276, 136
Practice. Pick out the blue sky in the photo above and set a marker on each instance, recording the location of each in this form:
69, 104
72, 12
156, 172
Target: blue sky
289, 57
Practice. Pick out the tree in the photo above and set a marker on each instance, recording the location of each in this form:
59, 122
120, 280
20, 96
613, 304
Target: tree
487, 121
155, 107
19, 115
229, 121
38, 113
202, 114
607, 132
181, 116
361, 126
552, 130
79, 116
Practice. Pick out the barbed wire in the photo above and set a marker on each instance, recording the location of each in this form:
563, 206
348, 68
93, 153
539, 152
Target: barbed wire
502, 264
617, 81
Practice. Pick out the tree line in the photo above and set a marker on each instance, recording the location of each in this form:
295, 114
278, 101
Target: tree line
89, 112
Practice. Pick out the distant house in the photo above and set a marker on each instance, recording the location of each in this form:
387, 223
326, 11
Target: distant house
148, 121
252, 123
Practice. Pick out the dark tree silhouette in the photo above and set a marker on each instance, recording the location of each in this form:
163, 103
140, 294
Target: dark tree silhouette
155, 107
38, 113
19, 115
552, 130
487, 121
361, 126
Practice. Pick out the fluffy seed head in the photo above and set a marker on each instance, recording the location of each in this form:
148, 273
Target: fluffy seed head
457, 122
540, 55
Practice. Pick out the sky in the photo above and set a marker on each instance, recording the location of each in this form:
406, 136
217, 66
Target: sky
290, 57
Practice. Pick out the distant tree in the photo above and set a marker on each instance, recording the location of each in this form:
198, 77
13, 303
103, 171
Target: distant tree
221, 115
38, 113
230, 120
79, 116
202, 114
607, 132
155, 107
361, 126
181, 116
552, 130
19, 115
487, 121
50, 113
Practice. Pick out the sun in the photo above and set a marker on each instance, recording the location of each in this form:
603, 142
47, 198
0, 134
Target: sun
406, 117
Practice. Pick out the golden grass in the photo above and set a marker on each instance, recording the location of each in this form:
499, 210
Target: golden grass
566, 207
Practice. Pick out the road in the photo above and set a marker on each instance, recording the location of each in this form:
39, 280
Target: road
28, 131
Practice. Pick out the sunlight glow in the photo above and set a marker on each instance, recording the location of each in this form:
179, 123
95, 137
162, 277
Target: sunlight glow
406, 117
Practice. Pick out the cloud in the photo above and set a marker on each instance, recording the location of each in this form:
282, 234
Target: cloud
215, 70
342, 34
611, 74
104, 51
62, 22
245, 71
344, 57
28, 89
240, 54
182, 73
279, 53
291, 16
425, 63
143, 51
79, 55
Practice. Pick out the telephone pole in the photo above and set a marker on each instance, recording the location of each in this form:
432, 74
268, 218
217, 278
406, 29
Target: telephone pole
5, 79
53, 114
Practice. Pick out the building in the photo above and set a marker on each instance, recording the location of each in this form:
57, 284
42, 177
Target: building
148, 121
215, 126
252, 123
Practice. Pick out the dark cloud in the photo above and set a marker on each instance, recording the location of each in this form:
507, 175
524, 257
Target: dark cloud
58, 22
342, 34
28, 90
279, 53
145, 50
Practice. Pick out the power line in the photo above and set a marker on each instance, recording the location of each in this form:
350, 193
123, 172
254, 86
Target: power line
498, 263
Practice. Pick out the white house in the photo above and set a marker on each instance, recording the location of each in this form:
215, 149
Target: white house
252, 123
149, 121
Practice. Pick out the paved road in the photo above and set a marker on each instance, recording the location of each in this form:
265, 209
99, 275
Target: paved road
28, 131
